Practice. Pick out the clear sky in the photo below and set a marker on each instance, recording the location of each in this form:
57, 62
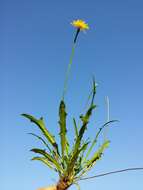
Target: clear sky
35, 44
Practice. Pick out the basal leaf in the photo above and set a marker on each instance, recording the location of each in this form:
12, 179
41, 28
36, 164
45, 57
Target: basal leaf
44, 130
96, 137
45, 161
49, 157
74, 157
75, 128
97, 155
63, 130
43, 141
85, 119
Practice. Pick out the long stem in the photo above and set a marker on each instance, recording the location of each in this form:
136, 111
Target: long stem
70, 62
112, 172
68, 70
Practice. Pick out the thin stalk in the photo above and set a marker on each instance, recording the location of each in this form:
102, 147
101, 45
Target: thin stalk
70, 63
68, 70
112, 172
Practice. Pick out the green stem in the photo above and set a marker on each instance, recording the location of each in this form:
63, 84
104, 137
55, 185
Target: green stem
68, 71
70, 63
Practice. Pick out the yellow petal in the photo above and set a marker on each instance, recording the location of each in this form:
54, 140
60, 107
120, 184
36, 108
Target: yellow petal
80, 24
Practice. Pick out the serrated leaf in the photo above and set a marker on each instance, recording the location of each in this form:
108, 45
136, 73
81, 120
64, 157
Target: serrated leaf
96, 137
75, 156
97, 155
86, 117
85, 120
79, 165
44, 130
63, 129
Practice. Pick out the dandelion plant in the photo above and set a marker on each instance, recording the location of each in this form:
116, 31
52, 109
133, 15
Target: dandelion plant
70, 162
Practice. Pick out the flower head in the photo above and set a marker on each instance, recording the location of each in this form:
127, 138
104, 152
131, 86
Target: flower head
80, 24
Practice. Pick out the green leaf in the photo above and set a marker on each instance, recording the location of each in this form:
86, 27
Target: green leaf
44, 130
45, 161
40, 138
93, 89
75, 128
92, 93
96, 137
79, 165
63, 130
86, 117
74, 158
97, 155
49, 157
85, 120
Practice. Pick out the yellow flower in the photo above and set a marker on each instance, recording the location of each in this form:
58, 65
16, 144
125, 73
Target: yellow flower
80, 24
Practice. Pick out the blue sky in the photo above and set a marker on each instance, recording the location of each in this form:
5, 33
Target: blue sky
35, 44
